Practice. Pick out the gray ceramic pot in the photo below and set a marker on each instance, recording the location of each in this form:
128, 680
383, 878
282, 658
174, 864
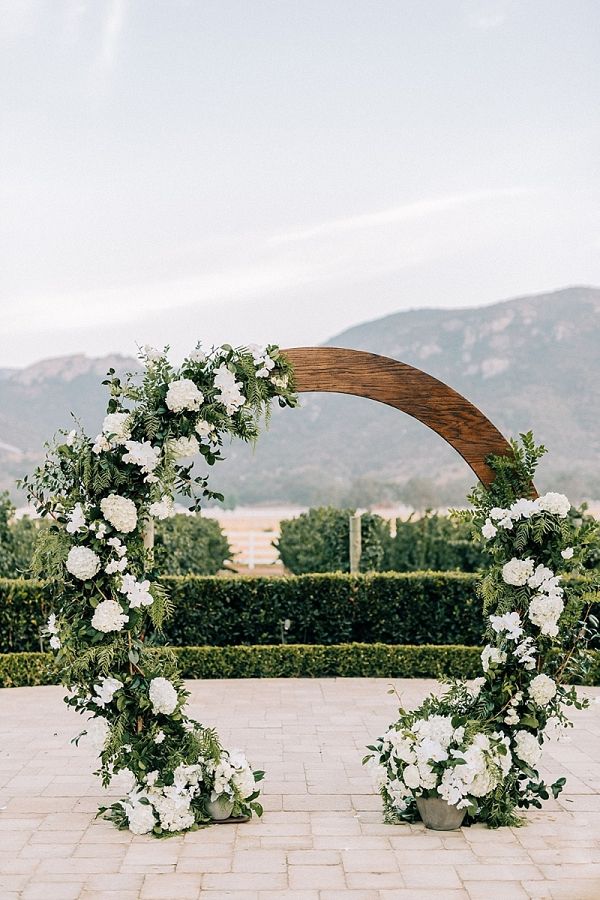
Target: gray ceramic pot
439, 815
220, 809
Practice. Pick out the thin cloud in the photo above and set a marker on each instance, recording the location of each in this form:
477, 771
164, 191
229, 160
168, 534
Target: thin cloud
113, 25
409, 211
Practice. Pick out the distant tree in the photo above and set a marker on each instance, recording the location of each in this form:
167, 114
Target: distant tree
318, 541
190, 545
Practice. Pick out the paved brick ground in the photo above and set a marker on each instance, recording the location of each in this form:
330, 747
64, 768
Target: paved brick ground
322, 836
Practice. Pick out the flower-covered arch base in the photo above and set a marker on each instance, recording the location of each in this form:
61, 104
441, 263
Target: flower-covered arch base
103, 495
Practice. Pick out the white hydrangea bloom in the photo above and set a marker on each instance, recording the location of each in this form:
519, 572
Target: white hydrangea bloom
517, 571
510, 623
83, 563
545, 611
492, 656
542, 689
97, 729
554, 503
120, 512
527, 748
116, 426
412, 777
109, 616
140, 817
163, 696
524, 508
183, 447
183, 394
497, 513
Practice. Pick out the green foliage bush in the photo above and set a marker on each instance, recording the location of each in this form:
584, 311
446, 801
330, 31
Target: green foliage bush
190, 545
319, 541
407, 608
17, 540
435, 542
292, 661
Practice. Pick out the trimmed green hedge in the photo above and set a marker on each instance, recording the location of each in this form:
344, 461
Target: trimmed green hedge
391, 608
292, 661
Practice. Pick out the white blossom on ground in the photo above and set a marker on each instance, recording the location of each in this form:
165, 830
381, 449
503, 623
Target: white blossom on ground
183, 394
109, 616
163, 696
120, 512
83, 563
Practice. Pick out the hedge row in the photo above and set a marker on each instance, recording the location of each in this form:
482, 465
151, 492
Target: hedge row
293, 661
390, 608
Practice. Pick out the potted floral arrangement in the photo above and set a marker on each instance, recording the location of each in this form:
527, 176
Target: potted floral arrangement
475, 750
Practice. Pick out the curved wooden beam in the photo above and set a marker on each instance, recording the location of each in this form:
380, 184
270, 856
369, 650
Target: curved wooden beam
411, 390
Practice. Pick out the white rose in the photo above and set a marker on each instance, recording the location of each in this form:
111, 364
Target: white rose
489, 530
517, 571
183, 394
411, 777
567, 553
138, 592
203, 428
524, 508
106, 690
116, 426
109, 616
163, 696
82, 562
557, 504
121, 512
542, 689
183, 447
527, 748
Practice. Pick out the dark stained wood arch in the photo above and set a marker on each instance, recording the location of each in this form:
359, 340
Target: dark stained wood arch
411, 390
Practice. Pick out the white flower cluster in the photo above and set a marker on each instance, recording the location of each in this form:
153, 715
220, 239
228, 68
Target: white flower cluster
163, 508
205, 429
117, 427
524, 508
109, 616
422, 757
105, 690
183, 447
144, 455
52, 630
542, 689
546, 606
76, 520
137, 592
527, 747
83, 563
119, 561
120, 512
232, 775
228, 390
183, 394
163, 696
263, 362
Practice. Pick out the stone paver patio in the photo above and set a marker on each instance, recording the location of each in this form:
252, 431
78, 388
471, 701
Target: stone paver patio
322, 835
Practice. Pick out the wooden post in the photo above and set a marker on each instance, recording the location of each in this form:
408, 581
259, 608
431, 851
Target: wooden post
355, 543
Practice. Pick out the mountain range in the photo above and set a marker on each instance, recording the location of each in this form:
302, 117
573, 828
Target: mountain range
528, 363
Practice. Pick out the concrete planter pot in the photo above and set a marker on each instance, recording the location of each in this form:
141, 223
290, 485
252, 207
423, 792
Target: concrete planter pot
220, 809
439, 815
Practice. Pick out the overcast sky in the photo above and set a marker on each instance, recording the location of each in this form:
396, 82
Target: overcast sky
174, 170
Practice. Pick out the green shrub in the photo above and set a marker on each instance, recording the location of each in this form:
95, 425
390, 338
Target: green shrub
390, 608
435, 542
319, 541
190, 545
293, 661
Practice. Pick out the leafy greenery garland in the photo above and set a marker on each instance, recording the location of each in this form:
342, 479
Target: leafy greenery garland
102, 497
478, 745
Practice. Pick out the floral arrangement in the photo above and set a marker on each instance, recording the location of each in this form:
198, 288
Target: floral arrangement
478, 745
103, 495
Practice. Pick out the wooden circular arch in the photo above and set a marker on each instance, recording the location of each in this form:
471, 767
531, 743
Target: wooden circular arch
411, 390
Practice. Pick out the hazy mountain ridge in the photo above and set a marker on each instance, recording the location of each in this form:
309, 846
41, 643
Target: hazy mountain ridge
530, 362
